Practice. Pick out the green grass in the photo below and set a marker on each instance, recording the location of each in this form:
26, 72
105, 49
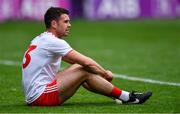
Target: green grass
141, 48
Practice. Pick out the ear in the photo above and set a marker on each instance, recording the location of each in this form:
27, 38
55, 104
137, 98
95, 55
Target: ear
54, 24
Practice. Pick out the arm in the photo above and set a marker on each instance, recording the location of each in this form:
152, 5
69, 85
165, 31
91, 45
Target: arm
89, 64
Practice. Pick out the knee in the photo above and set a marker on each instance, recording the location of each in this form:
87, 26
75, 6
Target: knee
77, 67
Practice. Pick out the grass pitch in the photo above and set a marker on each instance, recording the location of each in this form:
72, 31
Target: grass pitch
141, 48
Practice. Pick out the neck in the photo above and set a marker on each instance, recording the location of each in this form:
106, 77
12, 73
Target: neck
53, 32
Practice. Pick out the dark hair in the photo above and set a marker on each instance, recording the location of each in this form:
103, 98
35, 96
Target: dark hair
54, 13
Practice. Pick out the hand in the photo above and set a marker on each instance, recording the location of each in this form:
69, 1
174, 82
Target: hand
109, 76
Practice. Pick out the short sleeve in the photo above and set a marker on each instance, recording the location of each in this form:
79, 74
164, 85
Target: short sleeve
59, 47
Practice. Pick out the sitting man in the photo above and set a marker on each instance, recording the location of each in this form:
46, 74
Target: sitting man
44, 85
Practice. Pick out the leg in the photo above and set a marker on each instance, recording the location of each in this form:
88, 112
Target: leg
69, 80
96, 84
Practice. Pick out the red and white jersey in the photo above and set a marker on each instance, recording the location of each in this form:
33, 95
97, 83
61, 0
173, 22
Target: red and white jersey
41, 63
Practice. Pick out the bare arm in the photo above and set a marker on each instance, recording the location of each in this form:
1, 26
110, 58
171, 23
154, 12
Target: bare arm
89, 64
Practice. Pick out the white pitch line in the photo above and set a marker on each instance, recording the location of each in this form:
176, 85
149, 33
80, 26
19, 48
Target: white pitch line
10, 63
145, 80
132, 78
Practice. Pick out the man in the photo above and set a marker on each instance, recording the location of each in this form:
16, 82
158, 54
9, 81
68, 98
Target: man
45, 86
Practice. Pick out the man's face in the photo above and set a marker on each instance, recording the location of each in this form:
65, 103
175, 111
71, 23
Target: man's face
63, 26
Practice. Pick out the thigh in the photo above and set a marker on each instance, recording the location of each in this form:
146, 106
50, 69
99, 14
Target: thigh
69, 80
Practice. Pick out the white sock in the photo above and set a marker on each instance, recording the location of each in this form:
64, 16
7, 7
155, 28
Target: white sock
124, 96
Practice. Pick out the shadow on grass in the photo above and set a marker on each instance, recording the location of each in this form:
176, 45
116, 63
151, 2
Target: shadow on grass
66, 104
85, 104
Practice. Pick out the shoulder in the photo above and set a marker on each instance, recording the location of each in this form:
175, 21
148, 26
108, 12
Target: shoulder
47, 41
